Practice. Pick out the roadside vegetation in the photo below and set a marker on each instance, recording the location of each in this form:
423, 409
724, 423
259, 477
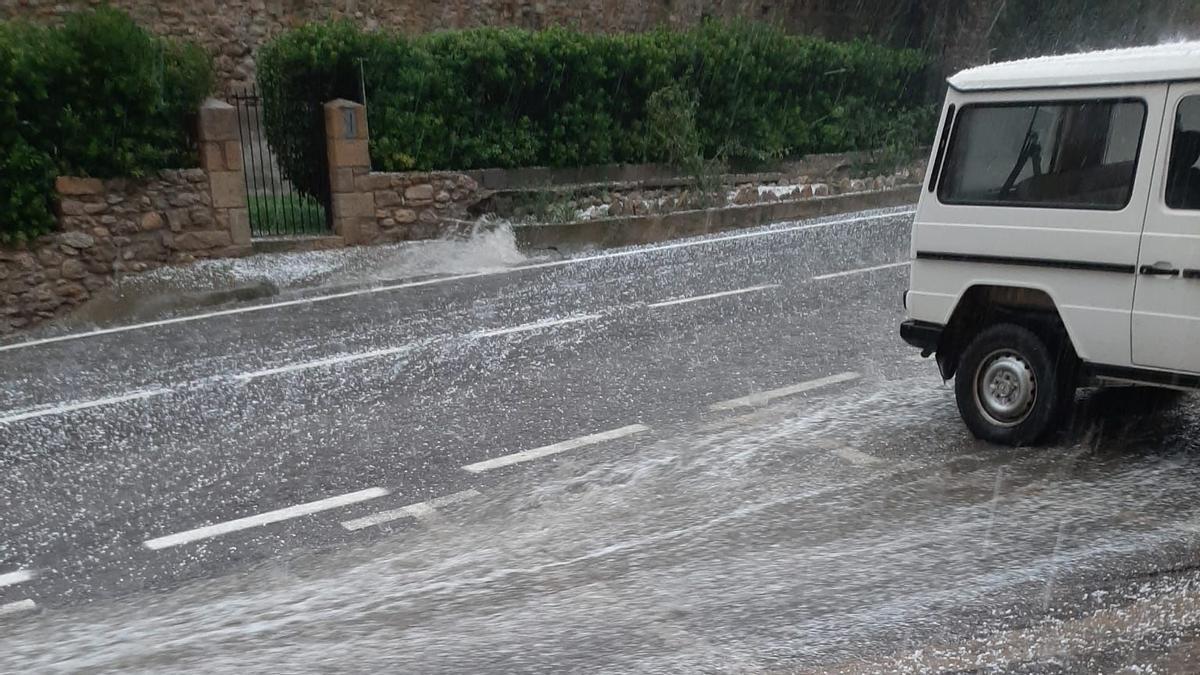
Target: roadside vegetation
97, 96
737, 93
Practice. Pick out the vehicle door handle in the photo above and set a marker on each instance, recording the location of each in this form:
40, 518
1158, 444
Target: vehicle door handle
1190, 274
1159, 269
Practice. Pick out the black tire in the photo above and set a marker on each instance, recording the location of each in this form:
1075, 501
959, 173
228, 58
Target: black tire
1009, 365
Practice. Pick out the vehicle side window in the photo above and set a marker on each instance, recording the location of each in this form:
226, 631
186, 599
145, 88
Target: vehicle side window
1183, 178
1076, 154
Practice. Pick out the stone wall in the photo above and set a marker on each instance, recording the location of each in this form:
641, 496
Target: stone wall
415, 205
108, 228
233, 30
373, 207
122, 226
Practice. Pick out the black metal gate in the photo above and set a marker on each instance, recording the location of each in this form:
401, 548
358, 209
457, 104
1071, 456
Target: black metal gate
281, 205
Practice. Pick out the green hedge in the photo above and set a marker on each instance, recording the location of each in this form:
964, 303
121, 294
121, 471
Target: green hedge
507, 98
97, 96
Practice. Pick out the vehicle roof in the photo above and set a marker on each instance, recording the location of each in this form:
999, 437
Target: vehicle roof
1157, 63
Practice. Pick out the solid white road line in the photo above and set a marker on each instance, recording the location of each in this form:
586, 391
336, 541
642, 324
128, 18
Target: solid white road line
18, 577
320, 363
538, 325
419, 510
264, 518
82, 405
391, 351
546, 451
240, 310
448, 279
763, 397
17, 607
863, 270
855, 456
292, 368
710, 296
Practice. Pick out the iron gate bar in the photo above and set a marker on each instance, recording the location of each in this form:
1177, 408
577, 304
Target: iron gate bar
277, 207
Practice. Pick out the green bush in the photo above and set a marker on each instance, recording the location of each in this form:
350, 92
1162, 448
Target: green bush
507, 98
98, 96
273, 215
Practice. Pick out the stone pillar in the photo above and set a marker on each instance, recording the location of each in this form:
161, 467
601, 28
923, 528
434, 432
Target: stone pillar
221, 159
346, 143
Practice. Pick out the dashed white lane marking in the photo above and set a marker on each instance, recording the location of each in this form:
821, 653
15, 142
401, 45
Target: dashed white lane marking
711, 296
764, 397
448, 279
17, 607
855, 456
321, 363
545, 451
419, 510
862, 270
18, 577
537, 325
82, 405
264, 518
392, 351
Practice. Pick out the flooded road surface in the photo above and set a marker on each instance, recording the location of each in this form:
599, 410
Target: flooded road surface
715, 457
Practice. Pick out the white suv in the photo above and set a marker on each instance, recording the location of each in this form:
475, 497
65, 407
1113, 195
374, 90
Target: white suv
1058, 241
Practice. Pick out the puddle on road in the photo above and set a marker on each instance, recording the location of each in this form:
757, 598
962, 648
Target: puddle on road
747, 547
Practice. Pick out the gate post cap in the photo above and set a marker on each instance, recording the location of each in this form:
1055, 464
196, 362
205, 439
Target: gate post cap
345, 119
218, 121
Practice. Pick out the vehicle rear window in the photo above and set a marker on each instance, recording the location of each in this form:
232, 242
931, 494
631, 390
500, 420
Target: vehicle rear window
1067, 154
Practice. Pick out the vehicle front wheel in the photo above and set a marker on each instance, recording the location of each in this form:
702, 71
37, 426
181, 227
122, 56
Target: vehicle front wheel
1010, 387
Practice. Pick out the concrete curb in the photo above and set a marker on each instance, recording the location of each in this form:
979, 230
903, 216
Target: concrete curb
298, 244
633, 230
108, 307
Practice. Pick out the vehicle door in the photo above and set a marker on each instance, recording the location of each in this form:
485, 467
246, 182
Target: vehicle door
1166, 306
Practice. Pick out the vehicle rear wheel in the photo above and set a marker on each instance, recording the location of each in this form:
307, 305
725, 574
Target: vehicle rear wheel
1010, 386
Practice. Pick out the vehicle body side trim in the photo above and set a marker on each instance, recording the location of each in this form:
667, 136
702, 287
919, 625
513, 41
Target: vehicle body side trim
1085, 265
1160, 378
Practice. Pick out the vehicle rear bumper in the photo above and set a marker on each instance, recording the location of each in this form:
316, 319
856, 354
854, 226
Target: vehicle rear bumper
922, 334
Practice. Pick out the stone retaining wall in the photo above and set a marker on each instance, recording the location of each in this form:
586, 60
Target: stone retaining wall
416, 205
376, 207
108, 228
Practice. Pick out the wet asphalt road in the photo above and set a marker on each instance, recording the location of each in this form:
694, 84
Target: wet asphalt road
852, 527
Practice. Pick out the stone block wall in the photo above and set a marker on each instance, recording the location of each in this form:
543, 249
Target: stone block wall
107, 228
415, 205
165, 219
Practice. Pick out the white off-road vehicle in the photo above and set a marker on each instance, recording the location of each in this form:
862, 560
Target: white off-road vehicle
1057, 242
